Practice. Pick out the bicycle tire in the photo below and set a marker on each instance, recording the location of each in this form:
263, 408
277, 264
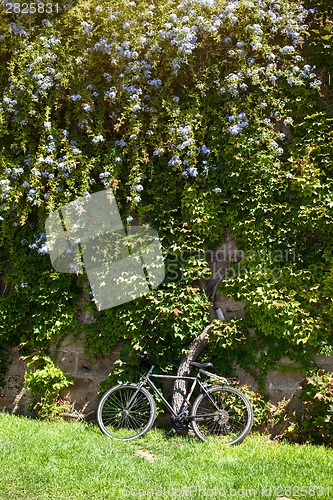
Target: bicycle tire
116, 421
228, 421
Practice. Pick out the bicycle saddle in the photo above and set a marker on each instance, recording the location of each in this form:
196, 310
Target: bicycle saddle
201, 365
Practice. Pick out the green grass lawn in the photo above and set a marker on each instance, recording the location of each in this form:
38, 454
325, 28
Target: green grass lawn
60, 460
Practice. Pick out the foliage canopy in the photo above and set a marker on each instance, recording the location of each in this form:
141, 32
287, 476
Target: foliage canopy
201, 115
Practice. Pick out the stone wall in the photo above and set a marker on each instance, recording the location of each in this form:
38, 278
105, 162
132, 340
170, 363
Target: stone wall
70, 357
87, 376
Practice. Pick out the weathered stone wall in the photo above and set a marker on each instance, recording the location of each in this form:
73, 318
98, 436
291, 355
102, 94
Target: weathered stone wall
88, 375
70, 357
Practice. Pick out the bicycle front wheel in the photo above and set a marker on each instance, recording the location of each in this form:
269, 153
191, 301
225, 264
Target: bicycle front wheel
126, 412
224, 416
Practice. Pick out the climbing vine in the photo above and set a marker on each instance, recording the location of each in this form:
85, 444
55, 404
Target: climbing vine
200, 115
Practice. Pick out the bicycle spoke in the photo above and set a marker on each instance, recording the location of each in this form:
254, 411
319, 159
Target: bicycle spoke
126, 412
222, 415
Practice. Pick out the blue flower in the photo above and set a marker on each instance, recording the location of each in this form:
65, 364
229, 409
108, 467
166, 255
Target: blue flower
288, 49
233, 91
288, 121
120, 143
111, 93
87, 107
98, 138
185, 144
158, 151
76, 97
205, 150
44, 249
104, 175
184, 131
139, 187
235, 129
174, 161
192, 171
256, 29
86, 27
53, 40
155, 83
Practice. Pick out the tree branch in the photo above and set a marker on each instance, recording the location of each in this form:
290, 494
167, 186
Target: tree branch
195, 349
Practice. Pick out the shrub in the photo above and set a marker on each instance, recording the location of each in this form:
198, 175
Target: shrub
45, 384
314, 423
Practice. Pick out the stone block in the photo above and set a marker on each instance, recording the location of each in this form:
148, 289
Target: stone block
83, 394
282, 384
325, 362
67, 361
246, 379
230, 307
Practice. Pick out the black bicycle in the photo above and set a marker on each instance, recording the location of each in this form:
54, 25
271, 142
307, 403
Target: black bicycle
220, 414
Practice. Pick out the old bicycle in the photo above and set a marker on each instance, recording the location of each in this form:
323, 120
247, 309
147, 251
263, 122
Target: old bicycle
220, 413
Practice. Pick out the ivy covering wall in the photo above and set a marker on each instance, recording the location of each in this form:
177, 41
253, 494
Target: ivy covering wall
201, 115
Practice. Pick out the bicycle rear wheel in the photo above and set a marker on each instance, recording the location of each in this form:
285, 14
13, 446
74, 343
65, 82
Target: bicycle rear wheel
125, 412
222, 416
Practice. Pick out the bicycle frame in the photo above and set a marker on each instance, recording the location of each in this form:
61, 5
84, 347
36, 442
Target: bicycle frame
146, 380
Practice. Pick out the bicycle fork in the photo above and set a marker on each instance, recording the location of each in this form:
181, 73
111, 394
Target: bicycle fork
133, 399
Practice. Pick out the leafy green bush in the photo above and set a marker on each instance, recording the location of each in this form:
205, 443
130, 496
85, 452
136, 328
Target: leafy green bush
314, 424
45, 383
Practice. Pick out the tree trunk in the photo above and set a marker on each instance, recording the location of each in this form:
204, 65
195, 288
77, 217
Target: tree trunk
195, 349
